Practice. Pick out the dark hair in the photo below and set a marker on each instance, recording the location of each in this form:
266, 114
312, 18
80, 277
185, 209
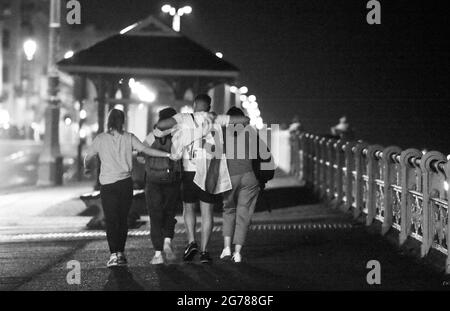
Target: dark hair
116, 120
204, 98
167, 113
235, 111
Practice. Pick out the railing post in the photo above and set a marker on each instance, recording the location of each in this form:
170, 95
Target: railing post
428, 226
302, 158
350, 165
338, 176
330, 170
408, 180
295, 147
388, 179
447, 238
371, 195
323, 167
311, 163
359, 195
316, 179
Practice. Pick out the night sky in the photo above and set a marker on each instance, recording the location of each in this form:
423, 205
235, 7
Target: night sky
320, 59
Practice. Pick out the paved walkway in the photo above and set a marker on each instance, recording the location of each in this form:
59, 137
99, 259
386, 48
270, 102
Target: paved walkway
304, 247
40, 210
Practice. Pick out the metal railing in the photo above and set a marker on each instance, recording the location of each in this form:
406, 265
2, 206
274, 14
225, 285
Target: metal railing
405, 190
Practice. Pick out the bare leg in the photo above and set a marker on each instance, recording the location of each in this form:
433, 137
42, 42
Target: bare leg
227, 242
207, 223
190, 220
237, 248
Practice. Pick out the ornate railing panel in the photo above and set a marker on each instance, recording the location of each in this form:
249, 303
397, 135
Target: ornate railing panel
405, 190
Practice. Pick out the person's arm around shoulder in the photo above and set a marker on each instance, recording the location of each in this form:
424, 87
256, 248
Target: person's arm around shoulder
149, 140
166, 124
169, 123
91, 152
140, 147
244, 120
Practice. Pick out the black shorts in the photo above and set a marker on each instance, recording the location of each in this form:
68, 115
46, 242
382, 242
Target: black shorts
191, 193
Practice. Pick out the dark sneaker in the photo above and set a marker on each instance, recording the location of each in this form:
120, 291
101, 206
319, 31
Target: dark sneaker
121, 259
190, 251
205, 258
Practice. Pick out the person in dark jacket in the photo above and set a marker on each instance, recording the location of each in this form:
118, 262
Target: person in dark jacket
162, 191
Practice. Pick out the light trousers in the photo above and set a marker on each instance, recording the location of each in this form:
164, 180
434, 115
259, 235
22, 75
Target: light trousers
239, 205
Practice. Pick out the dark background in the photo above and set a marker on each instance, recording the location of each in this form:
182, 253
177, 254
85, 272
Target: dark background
320, 59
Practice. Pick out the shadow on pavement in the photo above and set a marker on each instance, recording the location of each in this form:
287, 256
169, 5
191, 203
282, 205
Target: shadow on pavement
121, 279
277, 198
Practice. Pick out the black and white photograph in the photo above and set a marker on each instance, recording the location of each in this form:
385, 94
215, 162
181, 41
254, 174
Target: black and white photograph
224, 153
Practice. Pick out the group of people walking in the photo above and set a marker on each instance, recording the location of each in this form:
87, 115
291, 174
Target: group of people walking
201, 159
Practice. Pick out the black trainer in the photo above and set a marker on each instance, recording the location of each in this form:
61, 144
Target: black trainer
190, 251
205, 258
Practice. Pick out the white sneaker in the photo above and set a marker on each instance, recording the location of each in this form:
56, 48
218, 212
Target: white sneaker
157, 260
226, 254
113, 261
168, 251
237, 258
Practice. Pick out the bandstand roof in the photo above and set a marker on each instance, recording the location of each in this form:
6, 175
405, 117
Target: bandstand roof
149, 48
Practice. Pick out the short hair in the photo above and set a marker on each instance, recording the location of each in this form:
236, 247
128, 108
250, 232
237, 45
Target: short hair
235, 111
167, 113
116, 120
204, 98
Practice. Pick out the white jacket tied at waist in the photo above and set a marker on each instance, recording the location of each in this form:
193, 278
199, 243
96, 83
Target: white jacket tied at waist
183, 136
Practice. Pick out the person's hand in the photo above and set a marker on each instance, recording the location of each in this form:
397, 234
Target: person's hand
173, 157
140, 159
211, 116
87, 172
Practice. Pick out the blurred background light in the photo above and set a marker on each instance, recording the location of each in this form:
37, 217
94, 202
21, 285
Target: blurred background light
141, 91
119, 107
69, 54
4, 118
166, 8
243, 90
68, 121
83, 114
30, 48
127, 29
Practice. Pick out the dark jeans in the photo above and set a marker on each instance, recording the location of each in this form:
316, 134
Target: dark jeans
116, 201
162, 201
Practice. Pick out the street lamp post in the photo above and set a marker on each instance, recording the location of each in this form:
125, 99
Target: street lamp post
29, 49
176, 13
50, 161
